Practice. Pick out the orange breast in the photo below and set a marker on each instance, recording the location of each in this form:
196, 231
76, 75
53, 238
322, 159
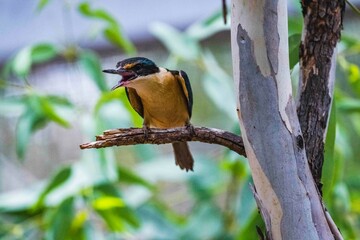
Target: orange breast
164, 102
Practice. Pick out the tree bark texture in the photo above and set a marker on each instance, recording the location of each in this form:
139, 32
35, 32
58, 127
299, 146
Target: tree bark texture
284, 188
321, 32
134, 136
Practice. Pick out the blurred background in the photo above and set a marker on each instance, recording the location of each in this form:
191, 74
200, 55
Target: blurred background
53, 97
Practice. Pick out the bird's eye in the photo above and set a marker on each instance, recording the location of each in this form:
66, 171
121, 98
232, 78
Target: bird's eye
136, 67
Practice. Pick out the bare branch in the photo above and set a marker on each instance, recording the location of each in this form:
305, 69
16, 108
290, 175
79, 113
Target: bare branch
134, 136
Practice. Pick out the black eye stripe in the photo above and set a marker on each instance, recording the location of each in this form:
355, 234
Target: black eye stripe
137, 67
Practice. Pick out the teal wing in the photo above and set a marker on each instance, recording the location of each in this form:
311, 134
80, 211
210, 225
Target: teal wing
185, 84
135, 101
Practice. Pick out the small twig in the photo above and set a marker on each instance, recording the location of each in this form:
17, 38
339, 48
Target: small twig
224, 10
134, 136
5, 84
353, 7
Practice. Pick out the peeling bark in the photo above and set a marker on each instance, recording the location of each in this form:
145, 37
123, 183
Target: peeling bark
285, 190
322, 28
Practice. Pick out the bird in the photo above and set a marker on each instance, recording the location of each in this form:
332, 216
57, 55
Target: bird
162, 97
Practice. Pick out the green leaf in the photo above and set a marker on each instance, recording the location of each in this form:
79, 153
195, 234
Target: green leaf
22, 62
329, 165
12, 106
107, 203
129, 216
61, 220
341, 197
218, 86
62, 176
26, 125
41, 5
112, 31
247, 204
49, 111
118, 217
349, 105
295, 25
208, 27
91, 65
107, 189
6, 70
43, 52
58, 100
349, 40
205, 216
248, 231
39, 111
206, 181
118, 39
85, 9
294, 44
113, 220
135, 117
177, 43
18, 200
127, 176
117, 95
42, 106
107, 97
354, 73
79, 222
237, 168
113, 115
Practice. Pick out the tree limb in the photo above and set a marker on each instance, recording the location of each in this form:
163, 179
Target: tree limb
134, 136
322, 29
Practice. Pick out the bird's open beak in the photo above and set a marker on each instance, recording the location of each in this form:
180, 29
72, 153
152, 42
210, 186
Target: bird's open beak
125, 74
112, 71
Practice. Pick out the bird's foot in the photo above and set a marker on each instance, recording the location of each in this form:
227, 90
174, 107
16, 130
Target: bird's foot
190, 128
146, 130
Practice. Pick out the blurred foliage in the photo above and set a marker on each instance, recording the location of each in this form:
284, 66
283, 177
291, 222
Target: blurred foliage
97, 198
112, 30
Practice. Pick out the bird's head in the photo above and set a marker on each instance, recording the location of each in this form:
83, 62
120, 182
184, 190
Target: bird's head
132, 68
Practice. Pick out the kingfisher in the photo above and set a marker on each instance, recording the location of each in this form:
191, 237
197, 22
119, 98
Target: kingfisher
162, 97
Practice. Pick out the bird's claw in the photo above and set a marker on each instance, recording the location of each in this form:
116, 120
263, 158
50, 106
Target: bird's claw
190, 128
146, 130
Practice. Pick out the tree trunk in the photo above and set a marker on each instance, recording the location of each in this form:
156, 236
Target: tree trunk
321, 32
285, 190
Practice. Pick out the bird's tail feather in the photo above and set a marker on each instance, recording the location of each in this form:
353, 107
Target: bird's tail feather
183, 157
